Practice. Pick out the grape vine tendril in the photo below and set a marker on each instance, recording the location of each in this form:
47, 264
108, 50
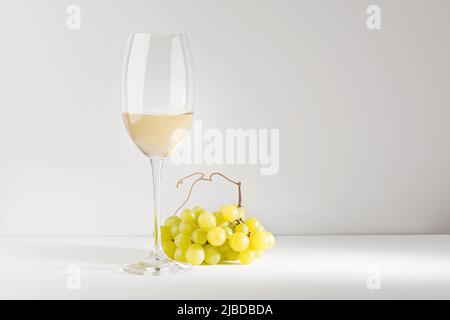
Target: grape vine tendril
206, 177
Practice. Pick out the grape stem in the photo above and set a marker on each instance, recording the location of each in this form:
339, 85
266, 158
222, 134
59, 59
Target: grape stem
206, 177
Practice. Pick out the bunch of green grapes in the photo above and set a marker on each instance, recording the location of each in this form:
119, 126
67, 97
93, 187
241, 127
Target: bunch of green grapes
199, 236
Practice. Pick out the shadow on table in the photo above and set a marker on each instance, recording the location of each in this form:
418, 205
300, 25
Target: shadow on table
79, 254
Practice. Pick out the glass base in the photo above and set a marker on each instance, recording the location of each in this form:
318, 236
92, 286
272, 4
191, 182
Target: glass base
157, 264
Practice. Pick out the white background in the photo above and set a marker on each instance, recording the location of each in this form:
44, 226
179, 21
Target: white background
363, 115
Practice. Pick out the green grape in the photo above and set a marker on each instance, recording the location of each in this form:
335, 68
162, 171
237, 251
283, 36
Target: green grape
169, 248
174, 229
212, 254
270, 240
247, 256
230, 212
206, 221
258, 253
179, 255
239, 242
260, 229
195, 254
182, 241
197, 210
216, 236
242, 228
241, 213
199, 236
171, 220
258, 241
188, 215
253, 224
165, 233
186, 227
228, 231
225, 247
231, 255
220, 221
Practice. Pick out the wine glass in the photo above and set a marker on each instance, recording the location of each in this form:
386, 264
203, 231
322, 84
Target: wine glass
157, 109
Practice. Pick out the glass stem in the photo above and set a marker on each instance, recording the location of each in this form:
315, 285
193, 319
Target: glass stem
157, 165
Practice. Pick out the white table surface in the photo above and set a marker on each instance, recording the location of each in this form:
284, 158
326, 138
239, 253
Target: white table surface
307, 267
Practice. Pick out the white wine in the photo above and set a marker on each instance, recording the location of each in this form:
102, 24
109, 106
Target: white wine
157, 135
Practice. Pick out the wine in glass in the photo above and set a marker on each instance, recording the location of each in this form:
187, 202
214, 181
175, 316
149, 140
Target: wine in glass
157, 109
